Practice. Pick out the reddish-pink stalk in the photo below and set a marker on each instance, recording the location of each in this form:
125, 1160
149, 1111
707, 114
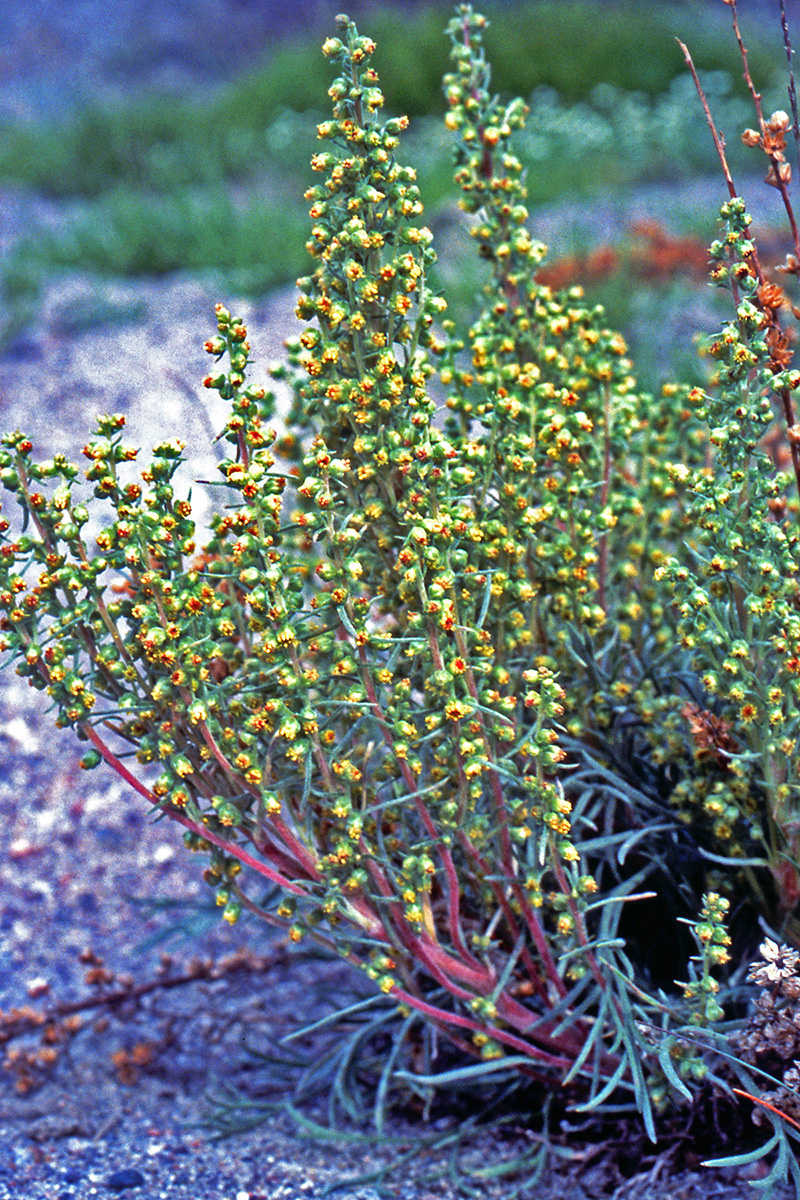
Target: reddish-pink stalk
775, 164
433, 646
306, 860
241, 445
426, 952
453, 891
446, 970
441, 965
764, 1104
508, 866
295, 848
445, 1018
207, 834
319, 753
718, 141
481, 980
496, 787
513, 928
264, 842
209, 739
787, 44
534, 925
780, 183
537, 933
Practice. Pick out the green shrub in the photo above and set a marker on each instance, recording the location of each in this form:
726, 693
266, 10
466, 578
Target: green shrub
486, 675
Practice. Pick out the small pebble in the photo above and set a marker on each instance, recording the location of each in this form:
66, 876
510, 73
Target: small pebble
126, 1178
21, 848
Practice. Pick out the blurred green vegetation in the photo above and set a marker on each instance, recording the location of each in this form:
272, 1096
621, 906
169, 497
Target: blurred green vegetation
572, 47
215, 187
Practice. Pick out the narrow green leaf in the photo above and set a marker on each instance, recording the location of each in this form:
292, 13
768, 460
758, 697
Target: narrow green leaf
597, 1031
741, 1160
388, 1073
335, 1018
667, 1066
467, 1074
611, 1086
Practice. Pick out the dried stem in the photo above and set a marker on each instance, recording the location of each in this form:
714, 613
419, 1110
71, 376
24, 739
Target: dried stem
17, 1022
784, 394
792, 85
719, 141
775, 177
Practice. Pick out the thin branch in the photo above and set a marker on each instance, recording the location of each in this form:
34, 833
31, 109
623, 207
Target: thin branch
792, 86
202, 831
719, 141
16, 1022
756, 96
775, 178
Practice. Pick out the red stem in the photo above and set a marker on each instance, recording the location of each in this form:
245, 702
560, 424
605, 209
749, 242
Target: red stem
500, 1035
201, 831
531, 920
453, 891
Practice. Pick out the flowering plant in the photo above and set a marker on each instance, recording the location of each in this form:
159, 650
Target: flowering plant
487, 652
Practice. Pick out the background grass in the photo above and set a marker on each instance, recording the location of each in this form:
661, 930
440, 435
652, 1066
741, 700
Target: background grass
570, 47
215, 187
